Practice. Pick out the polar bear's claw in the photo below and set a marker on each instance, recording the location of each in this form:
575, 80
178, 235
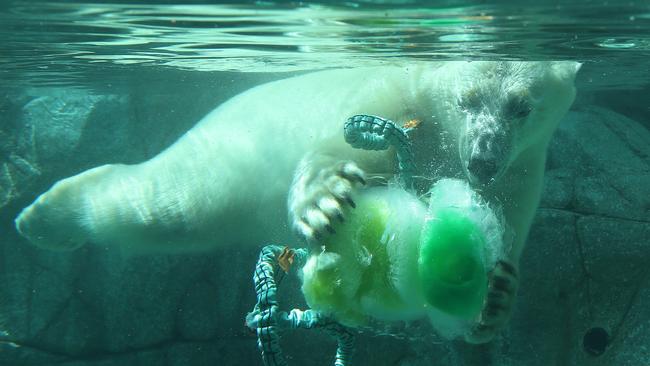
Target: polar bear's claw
331, 207
502, 289
351, 172
319, 197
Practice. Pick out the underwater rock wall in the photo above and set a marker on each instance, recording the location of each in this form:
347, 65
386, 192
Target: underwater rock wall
584, 271
586, 263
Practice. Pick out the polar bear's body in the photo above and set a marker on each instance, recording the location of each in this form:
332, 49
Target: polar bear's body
226, 180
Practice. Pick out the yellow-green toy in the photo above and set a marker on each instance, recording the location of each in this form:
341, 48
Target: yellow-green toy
397, 259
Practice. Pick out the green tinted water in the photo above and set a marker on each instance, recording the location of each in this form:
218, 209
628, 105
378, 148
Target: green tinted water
78, 42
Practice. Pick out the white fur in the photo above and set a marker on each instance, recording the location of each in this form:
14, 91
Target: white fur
226, 180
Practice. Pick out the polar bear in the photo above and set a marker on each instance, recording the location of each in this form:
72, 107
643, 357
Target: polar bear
228, 179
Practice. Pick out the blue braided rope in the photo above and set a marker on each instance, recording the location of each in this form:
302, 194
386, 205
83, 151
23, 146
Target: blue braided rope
267, 305
375, 133
267, 320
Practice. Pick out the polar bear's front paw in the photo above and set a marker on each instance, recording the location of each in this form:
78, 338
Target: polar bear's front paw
319, 198
502, 290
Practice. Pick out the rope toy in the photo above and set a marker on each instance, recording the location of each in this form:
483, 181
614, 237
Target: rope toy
369, 132
267, 320
365, 132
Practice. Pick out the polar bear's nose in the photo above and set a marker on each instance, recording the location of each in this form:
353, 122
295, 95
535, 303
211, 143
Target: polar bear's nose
482, 170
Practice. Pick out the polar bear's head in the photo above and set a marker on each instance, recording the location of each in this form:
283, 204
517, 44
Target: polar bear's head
509, 107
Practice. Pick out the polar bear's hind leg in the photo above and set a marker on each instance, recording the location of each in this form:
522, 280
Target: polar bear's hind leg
59, 218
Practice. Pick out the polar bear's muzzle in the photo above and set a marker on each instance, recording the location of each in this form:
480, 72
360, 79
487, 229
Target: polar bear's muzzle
486, 152
482, 171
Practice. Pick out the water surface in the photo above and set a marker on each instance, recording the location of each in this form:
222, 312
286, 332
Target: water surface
73, 42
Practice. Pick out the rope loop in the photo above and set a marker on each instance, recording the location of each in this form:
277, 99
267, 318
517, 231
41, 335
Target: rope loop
367, 132
267, 320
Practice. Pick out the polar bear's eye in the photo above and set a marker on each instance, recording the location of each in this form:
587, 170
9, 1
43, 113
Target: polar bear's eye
470, 100
517, 107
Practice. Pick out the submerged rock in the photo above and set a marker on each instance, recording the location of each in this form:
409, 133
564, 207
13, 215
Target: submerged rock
584, 270
47, 137
599, 163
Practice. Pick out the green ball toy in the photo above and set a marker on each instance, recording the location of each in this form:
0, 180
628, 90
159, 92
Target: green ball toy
396, 258
450, 265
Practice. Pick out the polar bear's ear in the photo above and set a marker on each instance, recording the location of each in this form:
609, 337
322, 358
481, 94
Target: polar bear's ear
566, 70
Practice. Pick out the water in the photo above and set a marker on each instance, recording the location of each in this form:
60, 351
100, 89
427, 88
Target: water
69, 42
84, 84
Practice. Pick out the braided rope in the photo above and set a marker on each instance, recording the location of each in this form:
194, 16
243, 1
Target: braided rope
267, 320
375, 133
362, 132
267, 306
